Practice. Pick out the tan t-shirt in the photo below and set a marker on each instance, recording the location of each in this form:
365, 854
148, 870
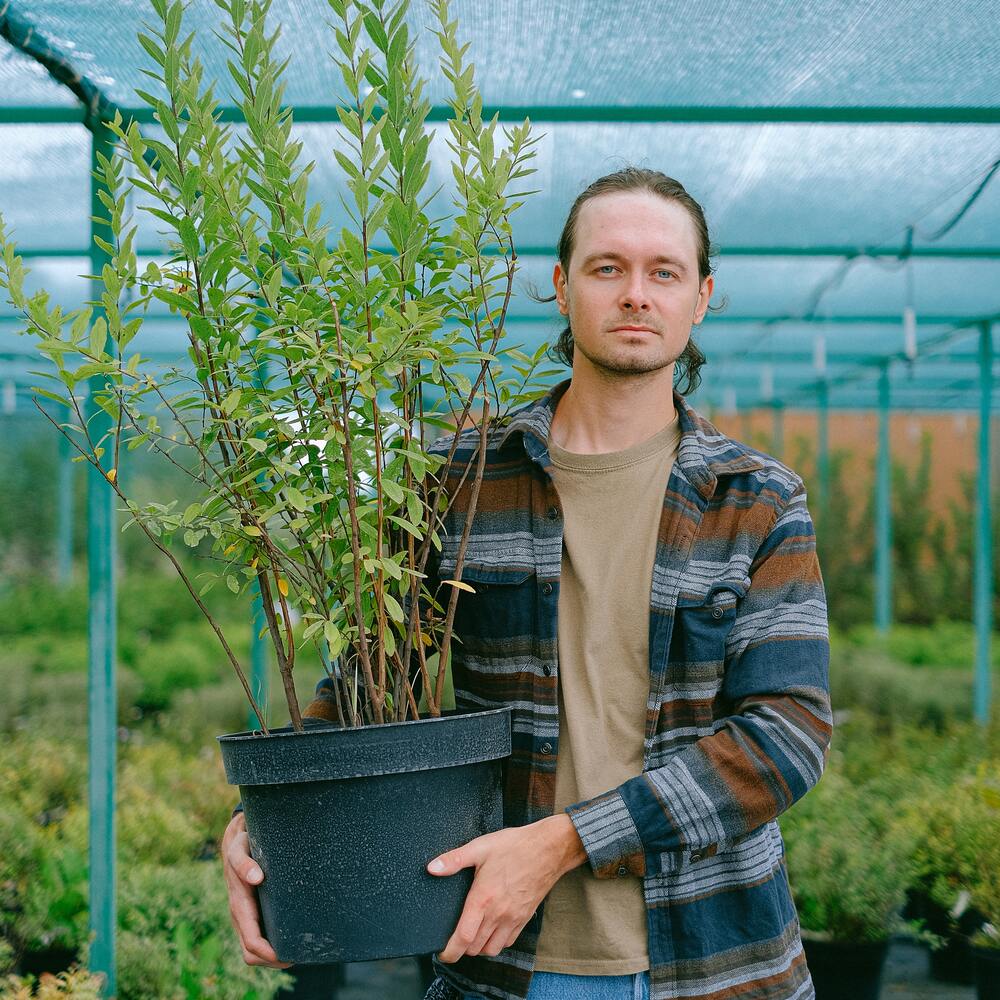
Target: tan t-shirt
611, 513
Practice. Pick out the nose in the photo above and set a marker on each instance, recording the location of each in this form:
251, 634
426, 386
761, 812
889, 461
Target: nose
634, 295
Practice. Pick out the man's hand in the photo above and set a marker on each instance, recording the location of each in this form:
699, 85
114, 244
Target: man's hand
242, 874
515, 869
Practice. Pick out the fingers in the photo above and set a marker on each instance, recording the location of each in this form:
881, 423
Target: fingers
513, 936
490, 939
467, 931
466, 856
497, 942
242, 875
448, 863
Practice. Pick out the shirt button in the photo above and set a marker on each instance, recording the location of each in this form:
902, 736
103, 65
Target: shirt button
553, 513
547, 589
622, 871
546, 748
696, 856
546, 669
717, 612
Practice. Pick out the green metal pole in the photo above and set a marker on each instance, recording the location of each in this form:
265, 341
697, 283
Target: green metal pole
823, 448
64, 533
983, 583
883, 513
258, 646
258, 661
778, 429
102, 630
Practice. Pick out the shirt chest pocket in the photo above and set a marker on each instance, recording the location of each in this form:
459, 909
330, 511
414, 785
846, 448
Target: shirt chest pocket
703, 623
496, 619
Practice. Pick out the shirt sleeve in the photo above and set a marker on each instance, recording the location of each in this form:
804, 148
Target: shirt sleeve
761, 758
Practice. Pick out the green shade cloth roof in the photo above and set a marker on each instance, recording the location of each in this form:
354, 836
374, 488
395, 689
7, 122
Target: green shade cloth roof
809, 132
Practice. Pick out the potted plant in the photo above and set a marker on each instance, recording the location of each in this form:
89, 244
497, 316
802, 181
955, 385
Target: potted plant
976, 852
938, 897
849, 861
301, 422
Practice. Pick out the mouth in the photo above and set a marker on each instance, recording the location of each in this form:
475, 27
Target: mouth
637, 329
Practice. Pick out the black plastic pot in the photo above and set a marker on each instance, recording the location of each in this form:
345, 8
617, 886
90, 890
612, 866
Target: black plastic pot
986, 962
952, 961
344, 821
54, 959
846, 970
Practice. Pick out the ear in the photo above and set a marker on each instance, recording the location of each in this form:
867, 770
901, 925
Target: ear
704, 295
559, 284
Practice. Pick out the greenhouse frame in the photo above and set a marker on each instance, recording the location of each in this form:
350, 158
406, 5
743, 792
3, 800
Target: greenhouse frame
846, 154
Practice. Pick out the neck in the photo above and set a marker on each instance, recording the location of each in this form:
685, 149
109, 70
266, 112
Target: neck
598, 413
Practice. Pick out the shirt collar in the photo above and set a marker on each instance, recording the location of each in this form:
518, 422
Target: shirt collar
704, 453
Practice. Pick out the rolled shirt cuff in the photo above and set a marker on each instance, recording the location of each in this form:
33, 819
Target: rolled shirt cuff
609, 836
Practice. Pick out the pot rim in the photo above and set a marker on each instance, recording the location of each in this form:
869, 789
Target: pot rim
287, 732
329, 753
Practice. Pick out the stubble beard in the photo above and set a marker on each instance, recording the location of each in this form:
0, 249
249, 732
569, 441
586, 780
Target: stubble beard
626, 363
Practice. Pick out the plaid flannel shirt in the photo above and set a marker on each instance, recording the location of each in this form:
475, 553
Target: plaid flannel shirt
738, 720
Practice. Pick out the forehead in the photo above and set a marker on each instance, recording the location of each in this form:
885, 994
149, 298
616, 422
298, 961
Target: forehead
637, 223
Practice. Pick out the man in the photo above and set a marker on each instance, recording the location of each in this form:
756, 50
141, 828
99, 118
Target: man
648, 601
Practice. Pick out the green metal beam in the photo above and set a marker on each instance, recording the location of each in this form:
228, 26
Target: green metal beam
946, 253
258, 647
40, 115
64, 528
927, 347
823, 449
25, 37
930, 370
983, 569
883, 510
102, 649
745, 367
850, 252
540, 319
595, 113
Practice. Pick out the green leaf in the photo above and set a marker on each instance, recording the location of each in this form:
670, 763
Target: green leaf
99, 336
151, 47
392, 490
392, 568
393, 608
231, 401
189, 238
296, 499
273, 284
332, 635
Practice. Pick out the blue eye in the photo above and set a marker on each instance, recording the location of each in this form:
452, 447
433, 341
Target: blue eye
669, 274
603, 266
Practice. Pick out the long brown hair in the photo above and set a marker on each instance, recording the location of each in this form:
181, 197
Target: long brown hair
688, 365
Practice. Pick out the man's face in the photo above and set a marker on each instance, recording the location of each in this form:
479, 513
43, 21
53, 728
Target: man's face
634, 263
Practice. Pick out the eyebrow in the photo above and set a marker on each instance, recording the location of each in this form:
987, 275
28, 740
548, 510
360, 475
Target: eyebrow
612, 255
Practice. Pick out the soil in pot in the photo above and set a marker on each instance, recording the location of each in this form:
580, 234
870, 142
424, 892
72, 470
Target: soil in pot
344, 821
846, 970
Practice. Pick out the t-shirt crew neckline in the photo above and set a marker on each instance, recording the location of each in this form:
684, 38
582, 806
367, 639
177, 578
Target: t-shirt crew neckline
608, 461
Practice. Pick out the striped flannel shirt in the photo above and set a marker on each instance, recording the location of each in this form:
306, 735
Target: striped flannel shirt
738, 720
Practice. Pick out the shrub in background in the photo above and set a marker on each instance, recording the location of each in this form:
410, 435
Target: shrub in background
849, 861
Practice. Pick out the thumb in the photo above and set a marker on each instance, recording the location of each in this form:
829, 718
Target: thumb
453, 861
